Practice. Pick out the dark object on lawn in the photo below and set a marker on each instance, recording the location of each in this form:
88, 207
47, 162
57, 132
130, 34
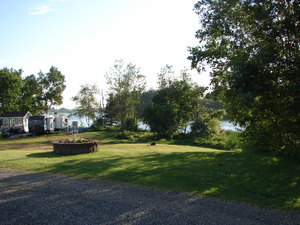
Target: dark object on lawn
69, 147
153, 143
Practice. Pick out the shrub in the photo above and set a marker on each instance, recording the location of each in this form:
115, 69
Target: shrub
225, 140
131, 124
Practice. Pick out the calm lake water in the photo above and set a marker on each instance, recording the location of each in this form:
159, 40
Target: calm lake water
225, 124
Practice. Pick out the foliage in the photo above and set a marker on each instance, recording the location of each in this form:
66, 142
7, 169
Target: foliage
207, 122
226, 140
126, 85
130, 124
212, 102
165, 76
145, 101
34, 94
61, 110
174, 105
161, 119
31, 92
252, 47
98, 123
10, 86
52, 86
86, 102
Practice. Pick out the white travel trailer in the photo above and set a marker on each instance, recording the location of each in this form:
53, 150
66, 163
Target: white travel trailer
60, 122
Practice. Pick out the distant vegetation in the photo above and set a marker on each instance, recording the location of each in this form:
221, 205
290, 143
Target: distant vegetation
60, 110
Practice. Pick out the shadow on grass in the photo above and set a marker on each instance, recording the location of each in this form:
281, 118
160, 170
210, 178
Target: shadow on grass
45, 155
264, 180
16, 146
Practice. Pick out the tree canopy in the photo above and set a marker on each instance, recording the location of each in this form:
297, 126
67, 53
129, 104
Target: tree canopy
31, 93
86, 102
10, 86
52, 86
174, 104
125, 87
252, 47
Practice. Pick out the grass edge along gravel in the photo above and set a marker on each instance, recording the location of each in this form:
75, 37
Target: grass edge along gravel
260, 179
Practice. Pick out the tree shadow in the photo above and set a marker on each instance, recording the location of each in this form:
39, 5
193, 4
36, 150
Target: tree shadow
45, 155
243, 177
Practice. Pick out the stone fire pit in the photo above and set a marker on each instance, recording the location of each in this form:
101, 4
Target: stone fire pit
72, 147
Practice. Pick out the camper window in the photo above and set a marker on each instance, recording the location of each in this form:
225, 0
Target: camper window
12, 122
19, 123
5, 123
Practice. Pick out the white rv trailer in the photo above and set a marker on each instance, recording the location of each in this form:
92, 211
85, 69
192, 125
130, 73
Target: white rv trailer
60, 122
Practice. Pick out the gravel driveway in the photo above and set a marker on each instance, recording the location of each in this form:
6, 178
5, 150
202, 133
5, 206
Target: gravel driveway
34, 198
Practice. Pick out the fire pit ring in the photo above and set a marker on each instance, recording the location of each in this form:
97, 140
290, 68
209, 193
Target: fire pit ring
73, 148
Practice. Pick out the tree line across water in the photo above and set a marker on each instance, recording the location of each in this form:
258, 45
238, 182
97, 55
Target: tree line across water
252, 48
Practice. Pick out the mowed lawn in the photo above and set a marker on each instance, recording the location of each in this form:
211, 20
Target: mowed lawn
261, 179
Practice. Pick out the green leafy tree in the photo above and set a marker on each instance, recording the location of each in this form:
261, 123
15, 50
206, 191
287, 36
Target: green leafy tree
125, 85
165, 76
10, 86
252, 47
31, 91
111, 109
52, 86
86, 101
145, 101
173, 106
207, 121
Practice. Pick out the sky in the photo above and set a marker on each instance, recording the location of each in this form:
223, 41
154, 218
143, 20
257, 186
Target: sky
83, 38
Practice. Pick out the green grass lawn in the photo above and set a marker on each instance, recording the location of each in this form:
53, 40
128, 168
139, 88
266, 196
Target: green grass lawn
261, 179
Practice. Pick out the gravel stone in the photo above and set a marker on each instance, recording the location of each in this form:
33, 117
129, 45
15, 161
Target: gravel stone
37, 198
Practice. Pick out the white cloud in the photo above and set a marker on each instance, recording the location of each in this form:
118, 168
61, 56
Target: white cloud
40, 9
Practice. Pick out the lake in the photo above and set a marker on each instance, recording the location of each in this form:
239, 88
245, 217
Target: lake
225, 124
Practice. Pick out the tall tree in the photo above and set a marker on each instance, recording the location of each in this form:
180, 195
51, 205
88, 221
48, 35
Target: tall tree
87, 104
165, 76
173, 107
10, 86
126, 85
252, 47
31, 91
111, 109
145, 101
52, 86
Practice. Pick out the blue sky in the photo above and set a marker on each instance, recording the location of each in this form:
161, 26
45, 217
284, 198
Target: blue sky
84, 37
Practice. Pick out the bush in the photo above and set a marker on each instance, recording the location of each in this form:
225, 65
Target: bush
131, 124
225, 140
98, 124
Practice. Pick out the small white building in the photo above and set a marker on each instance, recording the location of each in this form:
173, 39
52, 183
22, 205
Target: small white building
16, 121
